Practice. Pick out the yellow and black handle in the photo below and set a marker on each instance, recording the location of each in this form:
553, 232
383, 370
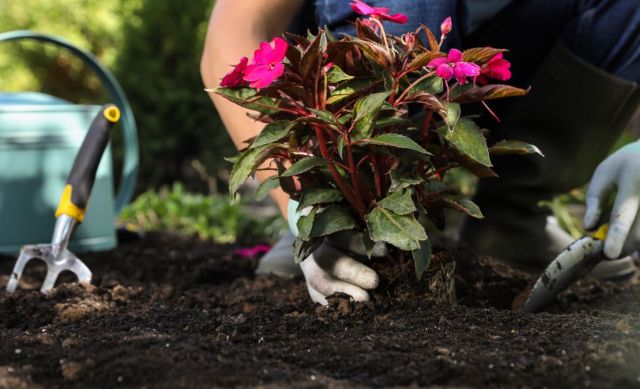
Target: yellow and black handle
83, 173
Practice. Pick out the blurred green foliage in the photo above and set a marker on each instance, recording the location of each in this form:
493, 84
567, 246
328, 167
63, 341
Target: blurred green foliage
95, 26
159, 68
213, 217
153, 47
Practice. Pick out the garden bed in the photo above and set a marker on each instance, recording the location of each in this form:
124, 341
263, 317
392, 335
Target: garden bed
175, 312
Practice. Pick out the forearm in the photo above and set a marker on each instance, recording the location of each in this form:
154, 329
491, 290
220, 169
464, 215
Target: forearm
236, 28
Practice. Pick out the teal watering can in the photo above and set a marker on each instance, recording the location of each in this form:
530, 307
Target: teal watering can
39, 138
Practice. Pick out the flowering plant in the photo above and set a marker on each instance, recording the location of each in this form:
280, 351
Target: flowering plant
361, 130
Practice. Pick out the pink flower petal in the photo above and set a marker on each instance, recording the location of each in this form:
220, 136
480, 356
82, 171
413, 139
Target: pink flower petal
251, 252
280, 49
396, 18
261, 55
362, 8
378, 12
469, 69
497, 68
261, 76
434, 63
455, 55
445, 71
235, 77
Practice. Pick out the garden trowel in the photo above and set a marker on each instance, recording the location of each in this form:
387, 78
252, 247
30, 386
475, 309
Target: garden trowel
71, 208
573, 263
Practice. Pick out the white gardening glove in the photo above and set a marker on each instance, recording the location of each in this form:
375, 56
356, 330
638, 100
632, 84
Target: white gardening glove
620, 171
329, 270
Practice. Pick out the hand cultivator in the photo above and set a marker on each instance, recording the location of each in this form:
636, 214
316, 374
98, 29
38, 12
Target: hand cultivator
573, 263
71, 208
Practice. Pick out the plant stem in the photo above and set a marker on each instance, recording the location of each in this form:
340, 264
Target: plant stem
425, 125
349, 193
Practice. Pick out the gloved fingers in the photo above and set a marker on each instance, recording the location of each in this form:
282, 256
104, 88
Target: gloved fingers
593, 213
316, 296
625, 210
330, 286
345, 268
323, 284
601, 185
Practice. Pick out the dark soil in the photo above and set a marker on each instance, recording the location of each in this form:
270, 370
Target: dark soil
170, 312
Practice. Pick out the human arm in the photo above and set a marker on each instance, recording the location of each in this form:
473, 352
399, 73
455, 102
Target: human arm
236, 28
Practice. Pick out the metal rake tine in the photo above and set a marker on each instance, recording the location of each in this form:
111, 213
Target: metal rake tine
67, 262
49, 280
23, 259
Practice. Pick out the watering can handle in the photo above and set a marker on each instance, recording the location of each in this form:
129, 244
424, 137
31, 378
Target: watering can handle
131, 152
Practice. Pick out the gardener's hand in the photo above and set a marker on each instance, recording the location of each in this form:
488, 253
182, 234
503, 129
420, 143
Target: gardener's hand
329, 269
619, 171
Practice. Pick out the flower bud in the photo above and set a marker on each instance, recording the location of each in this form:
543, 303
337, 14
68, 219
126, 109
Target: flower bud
446, 26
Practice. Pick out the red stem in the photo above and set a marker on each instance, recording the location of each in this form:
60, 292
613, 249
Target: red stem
349, 193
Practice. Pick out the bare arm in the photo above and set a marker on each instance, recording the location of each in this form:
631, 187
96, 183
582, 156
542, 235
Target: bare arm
236, 29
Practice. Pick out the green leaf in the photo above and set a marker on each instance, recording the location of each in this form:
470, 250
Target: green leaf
303, 165
302, 249
431, 85
336, 75
480, 55
402, 231
348, 88
312, 55
396, 140
399, 202
365, 112
392, 121
487, 92
245, 165
331, 220
344, 119
468, 139
363, 31
305, 224
463, 205
453, 115
272, 132
265, 187
402, 182
422, 257
375, 51
341, 145
369, 245
326, 117
247, 98
319, 196
424, 59
514, 147
476, 168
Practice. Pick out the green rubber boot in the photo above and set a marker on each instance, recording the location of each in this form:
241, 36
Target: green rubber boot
574, 114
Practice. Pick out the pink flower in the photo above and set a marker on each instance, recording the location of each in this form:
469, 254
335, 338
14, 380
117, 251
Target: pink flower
235, 77
454, 66
251, 252
267, 63
378, 12
446, 26
497, 68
